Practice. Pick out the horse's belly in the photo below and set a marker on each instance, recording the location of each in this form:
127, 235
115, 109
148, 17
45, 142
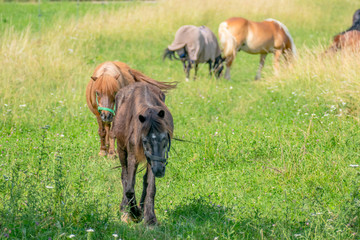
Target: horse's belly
256, 49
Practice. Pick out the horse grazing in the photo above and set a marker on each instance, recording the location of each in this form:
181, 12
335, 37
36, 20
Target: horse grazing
196, 45
107, 79
143, 128
349, 40
269, 36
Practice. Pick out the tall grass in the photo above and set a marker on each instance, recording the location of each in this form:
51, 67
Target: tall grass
270, 159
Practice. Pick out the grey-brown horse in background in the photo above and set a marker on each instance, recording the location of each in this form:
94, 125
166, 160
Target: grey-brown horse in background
196, 45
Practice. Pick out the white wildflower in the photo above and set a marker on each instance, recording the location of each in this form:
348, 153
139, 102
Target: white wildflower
90, 230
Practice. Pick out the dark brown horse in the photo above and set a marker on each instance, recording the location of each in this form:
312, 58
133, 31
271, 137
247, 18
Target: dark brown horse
107, 79
143, 127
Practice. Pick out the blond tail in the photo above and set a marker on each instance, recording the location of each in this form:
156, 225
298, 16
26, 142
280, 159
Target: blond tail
227, 41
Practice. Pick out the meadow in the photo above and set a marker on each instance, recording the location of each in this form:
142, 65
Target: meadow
269, 159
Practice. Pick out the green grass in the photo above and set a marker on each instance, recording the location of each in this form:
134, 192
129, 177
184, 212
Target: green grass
268, 159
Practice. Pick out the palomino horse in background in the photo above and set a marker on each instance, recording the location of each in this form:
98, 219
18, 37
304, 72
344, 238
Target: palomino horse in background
107, 79
196, 45
143, 127
269, 36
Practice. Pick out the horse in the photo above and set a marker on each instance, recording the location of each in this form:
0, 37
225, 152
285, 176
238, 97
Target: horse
196, 45
143, 128
349, 40
107, 79
269, 36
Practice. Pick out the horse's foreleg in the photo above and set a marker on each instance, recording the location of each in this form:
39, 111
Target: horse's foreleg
145, 185
148, 204
210, 63
131, 168
261, 65
277, 54
102, 135
111, 142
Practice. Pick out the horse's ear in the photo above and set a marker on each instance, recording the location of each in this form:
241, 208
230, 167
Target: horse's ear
142, 118
94, 78
161, 113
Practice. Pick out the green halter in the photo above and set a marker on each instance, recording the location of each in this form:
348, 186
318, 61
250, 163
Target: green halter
104, 108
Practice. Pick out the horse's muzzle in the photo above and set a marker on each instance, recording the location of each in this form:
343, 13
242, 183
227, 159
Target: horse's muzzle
106, 117
159, 171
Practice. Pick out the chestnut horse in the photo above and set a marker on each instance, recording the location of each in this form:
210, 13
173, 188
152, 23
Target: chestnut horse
107, 79
269, 36
143, 127
349, 40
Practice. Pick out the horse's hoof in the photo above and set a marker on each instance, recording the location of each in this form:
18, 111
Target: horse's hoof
125, 218
151, 222
112, 154
102, 153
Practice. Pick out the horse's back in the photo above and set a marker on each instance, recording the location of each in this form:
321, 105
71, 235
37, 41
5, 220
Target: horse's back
132, 101
209, 47
348, 40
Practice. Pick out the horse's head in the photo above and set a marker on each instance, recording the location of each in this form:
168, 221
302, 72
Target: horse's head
218, 66
106, 88
156, 140
183, 56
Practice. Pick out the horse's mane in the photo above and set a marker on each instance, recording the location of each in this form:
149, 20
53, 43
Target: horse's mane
106, 84
141, 99
286, 30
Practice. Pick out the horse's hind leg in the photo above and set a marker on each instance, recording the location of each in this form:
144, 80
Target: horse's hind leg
261, 65
148, 196
187, 71
102, 135
196, 69
229, 61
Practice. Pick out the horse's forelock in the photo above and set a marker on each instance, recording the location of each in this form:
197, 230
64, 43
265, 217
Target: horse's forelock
154, 123
107, 84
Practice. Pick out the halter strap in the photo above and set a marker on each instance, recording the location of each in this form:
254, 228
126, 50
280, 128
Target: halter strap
150, 157
104, 108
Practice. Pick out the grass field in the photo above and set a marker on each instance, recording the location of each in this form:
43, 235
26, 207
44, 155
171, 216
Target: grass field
271, 159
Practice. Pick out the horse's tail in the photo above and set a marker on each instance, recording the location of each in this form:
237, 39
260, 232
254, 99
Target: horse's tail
140, 77
227, 40
169, 54
286, 30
